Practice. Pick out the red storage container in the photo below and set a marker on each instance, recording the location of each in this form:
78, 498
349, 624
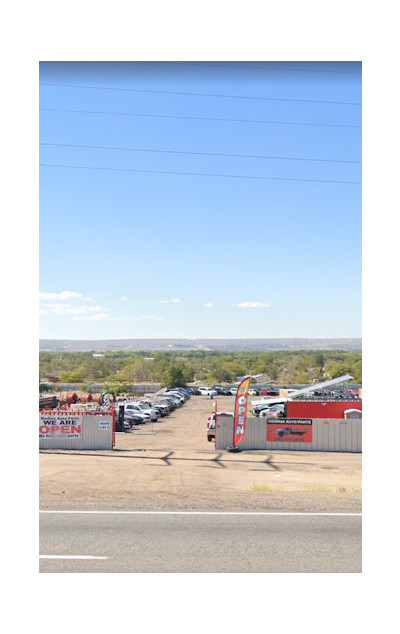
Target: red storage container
320, 409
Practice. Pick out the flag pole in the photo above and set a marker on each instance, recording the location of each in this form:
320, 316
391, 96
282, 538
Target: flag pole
215, 422
240, 413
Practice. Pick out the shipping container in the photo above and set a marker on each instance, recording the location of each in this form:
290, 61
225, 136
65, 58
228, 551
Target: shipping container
320, 409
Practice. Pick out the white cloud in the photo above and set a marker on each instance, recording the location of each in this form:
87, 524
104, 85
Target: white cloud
123, 299
67, 309
170, 301
62, 295
251, 305
80, 310
152, 317
209, 305
96, 317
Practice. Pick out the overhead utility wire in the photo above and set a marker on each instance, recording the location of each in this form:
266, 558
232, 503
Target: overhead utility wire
265, 68
274, 178
202, 94
253, 156
174, 116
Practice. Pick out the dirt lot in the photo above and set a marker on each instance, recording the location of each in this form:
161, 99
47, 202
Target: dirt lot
170, 465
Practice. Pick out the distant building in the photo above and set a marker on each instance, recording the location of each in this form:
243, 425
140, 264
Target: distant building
51, 378
264, 378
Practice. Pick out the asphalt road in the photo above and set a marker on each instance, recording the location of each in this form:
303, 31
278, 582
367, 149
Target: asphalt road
151, 542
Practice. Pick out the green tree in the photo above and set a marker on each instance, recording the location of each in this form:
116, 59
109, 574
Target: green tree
71, 376
174, 375
335, 369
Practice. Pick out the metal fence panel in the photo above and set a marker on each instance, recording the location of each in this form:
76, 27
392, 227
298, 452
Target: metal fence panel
76, 430
327, 435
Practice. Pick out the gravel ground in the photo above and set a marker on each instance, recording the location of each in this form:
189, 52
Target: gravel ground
170, 465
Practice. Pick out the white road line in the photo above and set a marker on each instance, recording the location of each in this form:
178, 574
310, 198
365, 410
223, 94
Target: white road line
264, 513
70, 557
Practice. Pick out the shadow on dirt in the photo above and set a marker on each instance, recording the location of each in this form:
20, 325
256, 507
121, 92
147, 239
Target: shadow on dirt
168, 458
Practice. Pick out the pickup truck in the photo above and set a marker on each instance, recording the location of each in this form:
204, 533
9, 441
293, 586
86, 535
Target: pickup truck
284, 431
211, 424
211, 430
135, 408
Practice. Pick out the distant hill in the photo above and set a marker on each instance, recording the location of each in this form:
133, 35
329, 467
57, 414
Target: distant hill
226, 345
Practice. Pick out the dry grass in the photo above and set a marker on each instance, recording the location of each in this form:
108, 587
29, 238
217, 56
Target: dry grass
261, 488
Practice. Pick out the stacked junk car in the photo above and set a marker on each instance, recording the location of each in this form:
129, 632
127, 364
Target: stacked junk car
80, 420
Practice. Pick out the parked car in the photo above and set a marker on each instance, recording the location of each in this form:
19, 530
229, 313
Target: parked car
259, 407
353, 393
193, 391
184, 390
178, 396
253, 391
176, 399
161, 406
226, 390
134, 408
207, 391
218, 388
211, 424
233, 390
173, 402
134, 419
272, 411
211, 430
150, 406
178, 390
215, 414
154, 414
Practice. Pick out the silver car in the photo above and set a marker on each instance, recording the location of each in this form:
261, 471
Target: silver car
134, 407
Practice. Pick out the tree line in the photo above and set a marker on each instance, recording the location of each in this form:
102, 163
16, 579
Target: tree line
183, 367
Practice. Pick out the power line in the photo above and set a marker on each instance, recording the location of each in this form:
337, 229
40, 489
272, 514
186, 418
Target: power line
266, 69
201, 94
252, 156
121, 169
171, 116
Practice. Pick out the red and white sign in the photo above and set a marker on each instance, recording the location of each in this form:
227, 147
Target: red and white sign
242, 397
289, 430
60, 426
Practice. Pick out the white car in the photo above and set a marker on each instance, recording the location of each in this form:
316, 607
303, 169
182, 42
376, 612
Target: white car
207, 391
272, 411
177, 396
211, 423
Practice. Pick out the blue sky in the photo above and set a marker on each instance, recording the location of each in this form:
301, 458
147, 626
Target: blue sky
155, 227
